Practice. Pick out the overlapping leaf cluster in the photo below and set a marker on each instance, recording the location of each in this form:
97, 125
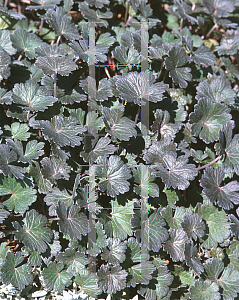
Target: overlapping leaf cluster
125, 182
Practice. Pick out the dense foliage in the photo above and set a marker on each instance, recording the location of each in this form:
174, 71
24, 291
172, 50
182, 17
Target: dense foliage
95, 202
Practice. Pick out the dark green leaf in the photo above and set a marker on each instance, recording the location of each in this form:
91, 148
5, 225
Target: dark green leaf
74, 261
5, 60
141, 273
234, 222
35, 259
191, 260
102, 93
88, 283
229, 43
178, 58
25, 42
54, 278
154, 233
95, 16
156, 152
62, 25
3, 214
54, 60
175, 171
174, 220
193, 225
7, 157
19, 131
22, 196
113, 175
82, 50
120, 217
140, 87
43, 4
124, 58
217, 90
164, 280
63, 131
44, 185
98, 3
101, 240
145, 181
54, 196
219, 228
72, 222
208, 118
19, 277
32, 96
176, 245
232, 155
103, 147
54, 169
137, 251
229, 282
203, 55
115, 254
34, 234
6, 43
118, 126
111, 281
213, 269
224, 196
205, 290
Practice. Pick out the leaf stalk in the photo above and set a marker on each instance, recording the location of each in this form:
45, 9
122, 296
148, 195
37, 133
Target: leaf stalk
210, 163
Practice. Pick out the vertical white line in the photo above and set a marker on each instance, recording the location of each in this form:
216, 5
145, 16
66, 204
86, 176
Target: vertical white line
92, 51
144, 212
144, 72
144, 118
92, 197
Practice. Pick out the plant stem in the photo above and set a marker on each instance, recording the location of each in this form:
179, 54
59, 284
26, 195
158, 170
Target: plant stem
5, 3
136, 117
127, 23
41, 26
107, 72
219, 67
126, 12
160, 71
211, 30
166, 73
181, 25
53, 219
20, 56
55, 94
58, 40
28, 115
209, 164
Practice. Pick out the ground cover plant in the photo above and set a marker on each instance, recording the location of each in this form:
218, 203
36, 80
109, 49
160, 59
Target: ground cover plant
119, 149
